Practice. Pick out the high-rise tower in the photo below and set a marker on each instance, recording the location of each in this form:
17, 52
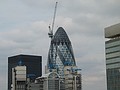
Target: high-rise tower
60, 52
61, 60
112, 48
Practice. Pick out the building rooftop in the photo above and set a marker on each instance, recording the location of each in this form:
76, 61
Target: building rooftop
61, 36
112, 31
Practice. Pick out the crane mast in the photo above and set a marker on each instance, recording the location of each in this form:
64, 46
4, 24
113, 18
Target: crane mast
51, 29
52, 62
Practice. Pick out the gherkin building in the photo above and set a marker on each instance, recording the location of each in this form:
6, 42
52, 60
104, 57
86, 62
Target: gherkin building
60, 52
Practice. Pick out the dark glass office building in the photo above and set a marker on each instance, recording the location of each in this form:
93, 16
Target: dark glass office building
33, 64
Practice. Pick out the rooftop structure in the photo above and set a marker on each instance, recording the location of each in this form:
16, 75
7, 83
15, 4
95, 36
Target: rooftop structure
112, 31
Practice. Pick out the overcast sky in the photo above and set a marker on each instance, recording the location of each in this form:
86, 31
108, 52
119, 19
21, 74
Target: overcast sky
24, 28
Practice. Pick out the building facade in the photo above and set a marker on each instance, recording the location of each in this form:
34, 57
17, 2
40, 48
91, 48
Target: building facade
33, 66
61, 56
112, 50
19, 78
60, 52
72, 78
50, 81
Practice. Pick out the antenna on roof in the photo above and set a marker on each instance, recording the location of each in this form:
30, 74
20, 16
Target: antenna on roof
51, 29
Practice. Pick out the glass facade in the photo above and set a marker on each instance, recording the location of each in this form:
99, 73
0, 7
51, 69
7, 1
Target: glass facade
53, 82
33, 64
61, 60
20, 85
113, 63
60, 52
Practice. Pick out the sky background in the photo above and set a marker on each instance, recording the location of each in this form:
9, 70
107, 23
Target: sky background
24, 30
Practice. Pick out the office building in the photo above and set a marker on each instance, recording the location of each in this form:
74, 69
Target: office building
19, 78
33, 66
60, 52
50, 81
112, 50
60, 56
72, 78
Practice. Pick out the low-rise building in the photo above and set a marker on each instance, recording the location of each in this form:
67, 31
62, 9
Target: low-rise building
18, 78
72, 78
50, 81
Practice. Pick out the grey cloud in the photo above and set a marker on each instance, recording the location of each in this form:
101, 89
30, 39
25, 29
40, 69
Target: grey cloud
90, 17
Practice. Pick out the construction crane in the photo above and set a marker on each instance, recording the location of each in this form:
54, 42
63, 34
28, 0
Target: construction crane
51, 29
52, 63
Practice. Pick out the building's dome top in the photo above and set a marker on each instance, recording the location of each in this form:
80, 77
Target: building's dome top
61, 36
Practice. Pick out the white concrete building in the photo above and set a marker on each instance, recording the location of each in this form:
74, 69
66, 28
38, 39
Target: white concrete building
18, 78
72, 78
